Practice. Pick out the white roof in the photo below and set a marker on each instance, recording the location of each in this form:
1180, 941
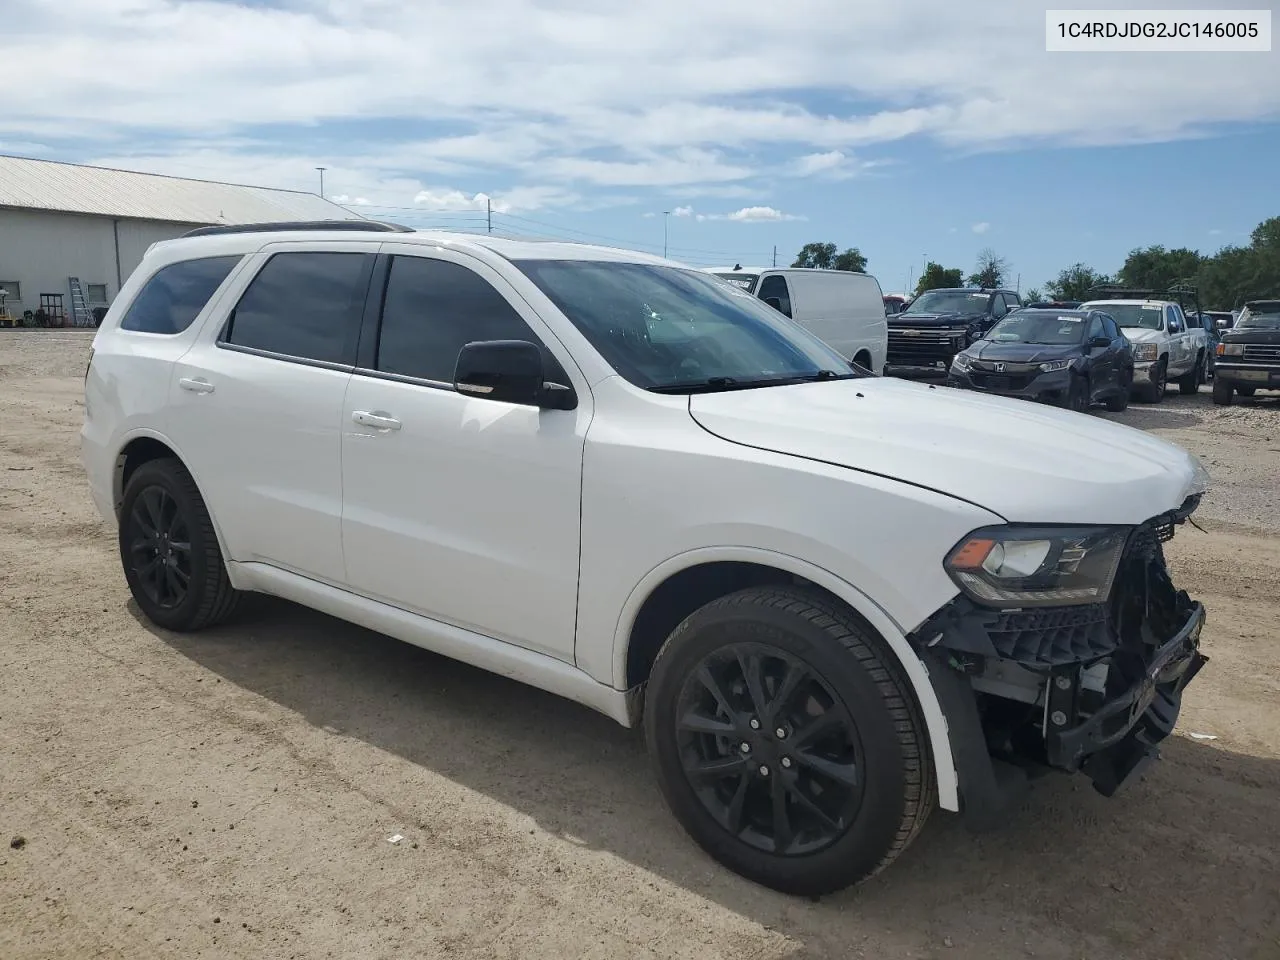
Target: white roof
509, 248
71, 188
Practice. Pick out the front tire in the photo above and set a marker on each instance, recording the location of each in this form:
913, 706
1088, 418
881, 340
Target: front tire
1119, 401
1222, 392
1078, 395
787, 742
170, 552
1154, 392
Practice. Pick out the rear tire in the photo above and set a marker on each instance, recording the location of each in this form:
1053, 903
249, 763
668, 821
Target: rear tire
1191, 382
852, 796
1222, 392
169, 550
1077, 398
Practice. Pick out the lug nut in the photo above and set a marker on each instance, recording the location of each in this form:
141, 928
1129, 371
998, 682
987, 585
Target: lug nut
781, 733
745, 747
755, 724
1064, 683
786, 762
1059, 718
764, 771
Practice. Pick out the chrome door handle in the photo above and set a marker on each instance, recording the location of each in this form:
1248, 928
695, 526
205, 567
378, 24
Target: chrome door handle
378, 422
195, 385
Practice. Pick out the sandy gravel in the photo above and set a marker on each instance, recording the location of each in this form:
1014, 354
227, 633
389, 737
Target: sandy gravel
230, 795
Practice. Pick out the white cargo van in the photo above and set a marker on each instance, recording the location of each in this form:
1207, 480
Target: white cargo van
844, 309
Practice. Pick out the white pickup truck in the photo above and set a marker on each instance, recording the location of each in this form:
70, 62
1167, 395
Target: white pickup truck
1165, 346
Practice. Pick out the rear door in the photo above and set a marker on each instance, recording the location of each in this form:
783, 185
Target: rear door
256, 405
1102, 360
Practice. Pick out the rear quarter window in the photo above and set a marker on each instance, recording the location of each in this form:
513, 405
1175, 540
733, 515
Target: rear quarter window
170, 301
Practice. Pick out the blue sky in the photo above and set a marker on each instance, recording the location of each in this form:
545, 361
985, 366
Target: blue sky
907, 129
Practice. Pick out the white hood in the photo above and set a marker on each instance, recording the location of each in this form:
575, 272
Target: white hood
1024, 461
1141, 334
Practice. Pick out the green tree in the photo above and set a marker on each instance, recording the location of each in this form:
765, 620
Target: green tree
819, 255
1158, 269
990, 271
938, 277
1075, 283
823, 256
851, 260
1033, 295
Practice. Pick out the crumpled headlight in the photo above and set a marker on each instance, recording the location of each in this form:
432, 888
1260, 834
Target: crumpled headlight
960, 362
1017, 566
1145, 351
1049, 366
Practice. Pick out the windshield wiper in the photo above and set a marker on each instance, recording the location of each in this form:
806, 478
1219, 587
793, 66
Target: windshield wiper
719, 384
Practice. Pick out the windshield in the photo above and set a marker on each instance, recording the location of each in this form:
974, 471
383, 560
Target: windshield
746, 281
949, 301
671, 329
1048, 328
1135, 314
1260, 316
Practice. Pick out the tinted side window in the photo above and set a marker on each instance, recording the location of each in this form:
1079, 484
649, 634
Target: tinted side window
175, 295
1109, 325
1173, 320
997, 306
305, 305
1097, 328
432, 309
776, 286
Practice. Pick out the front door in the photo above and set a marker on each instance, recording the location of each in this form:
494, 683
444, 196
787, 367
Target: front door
463, 509
1102, 367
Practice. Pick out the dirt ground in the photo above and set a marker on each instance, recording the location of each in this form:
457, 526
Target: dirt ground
231, 794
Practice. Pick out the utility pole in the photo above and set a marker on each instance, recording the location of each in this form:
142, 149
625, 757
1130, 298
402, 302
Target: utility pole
775, 254
322, 170
488, 213
665, 215
1018, 288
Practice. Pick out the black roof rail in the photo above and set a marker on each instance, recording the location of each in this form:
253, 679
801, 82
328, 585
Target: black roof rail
361, 226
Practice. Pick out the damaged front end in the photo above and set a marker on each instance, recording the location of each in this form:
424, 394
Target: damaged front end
1030, 683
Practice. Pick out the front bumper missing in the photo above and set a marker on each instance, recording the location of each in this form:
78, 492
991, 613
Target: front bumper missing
1079, 689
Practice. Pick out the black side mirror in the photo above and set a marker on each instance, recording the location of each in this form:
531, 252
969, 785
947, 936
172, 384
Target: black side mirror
775, 302
509, 371
1099, 343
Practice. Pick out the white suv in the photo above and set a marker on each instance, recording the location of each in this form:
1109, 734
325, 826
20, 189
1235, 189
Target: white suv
835, 600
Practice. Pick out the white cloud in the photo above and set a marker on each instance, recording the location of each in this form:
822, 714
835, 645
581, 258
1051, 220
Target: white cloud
981, 227
345, 200
682, 212
751, 215
546, 92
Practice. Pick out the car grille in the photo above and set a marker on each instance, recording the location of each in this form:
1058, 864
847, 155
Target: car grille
908, 344
988, 381
1265, 353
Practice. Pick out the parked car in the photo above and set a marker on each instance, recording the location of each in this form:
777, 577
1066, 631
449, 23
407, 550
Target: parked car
833, 600
938, 324
1070, 358
1165, 347
1249, 353
1212, 335
842, 308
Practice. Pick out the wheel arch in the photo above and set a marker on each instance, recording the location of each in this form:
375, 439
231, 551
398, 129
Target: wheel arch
682, 584
141, 447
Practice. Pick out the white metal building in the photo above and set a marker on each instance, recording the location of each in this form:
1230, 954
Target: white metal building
61, 220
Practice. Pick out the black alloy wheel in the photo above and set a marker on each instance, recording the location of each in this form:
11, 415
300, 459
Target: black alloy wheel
771, 752
160, 547
1078, 394
169, 549
787, 740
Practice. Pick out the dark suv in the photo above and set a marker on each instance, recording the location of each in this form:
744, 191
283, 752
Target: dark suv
938, 324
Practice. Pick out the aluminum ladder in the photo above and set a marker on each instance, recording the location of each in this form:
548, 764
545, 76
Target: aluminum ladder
81, 315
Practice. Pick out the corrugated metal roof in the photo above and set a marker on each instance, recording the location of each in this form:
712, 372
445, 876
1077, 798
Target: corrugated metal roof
71, 188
